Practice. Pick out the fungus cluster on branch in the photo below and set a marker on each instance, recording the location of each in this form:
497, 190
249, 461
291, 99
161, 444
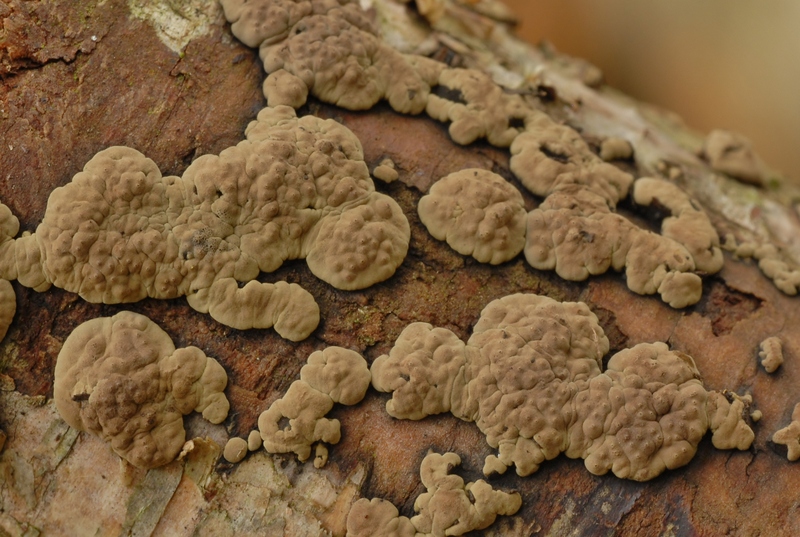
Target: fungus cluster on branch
295, 188
122, 379
447, 507
530, 378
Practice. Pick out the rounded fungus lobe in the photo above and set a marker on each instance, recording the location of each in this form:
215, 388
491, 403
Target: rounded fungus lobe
8, 306
613, 148
377, 518
687, 225
286, 306
789, 436
448, 507
726, 413
546, 150
732, 154
282, 88
478, 213
122, 379
362, 245
530, 378
296, 421
332, 47
770, 352
295, 188
235, 450
9, 227
477, 107
340, 373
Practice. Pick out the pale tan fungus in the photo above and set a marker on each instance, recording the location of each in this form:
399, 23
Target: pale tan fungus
789, 436
614, 148
477, 108
295, 188
756, 416
377, 518
771, 353
286, 306
122, 379
235, 450
726, 412
686, 224
447, 507
254, 441
530, 378
333, 48
283, 88
385, 171
478, 213
731, 153
8, 306
296, 422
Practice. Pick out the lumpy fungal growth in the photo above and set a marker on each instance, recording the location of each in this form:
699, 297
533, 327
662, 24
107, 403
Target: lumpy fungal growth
478, 213
296, 422
122, 379
295, 188
447, 507
789, 436
530, 378
771, 354
732, 154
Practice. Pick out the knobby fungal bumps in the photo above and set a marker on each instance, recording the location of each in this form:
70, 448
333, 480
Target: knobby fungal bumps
294, 188
447, 507
122, 379
530, 378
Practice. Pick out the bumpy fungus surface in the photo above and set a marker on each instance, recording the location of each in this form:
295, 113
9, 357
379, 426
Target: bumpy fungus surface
295, 188
478, 213
771, 353
448, 507
296, 421
789, 436
122, 379
772, 263
530, 378
331, 50
731, 153
8, 306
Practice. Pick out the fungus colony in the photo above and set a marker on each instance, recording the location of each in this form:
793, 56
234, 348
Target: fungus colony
530, 376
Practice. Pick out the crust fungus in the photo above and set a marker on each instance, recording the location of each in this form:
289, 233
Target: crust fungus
295, 188
235, 450
771, 353
296, 421
332, 49
613, 148
8, 306
477, 108
687, 224
530, 378
478, 213
789, 436
732, 154
122, 379
448, 507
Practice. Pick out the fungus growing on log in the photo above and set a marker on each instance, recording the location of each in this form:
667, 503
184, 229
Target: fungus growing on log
296, 421
478, 213
122, 379
447, 507
295, 188
789, 436
732, 154
771, 354
530, 378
